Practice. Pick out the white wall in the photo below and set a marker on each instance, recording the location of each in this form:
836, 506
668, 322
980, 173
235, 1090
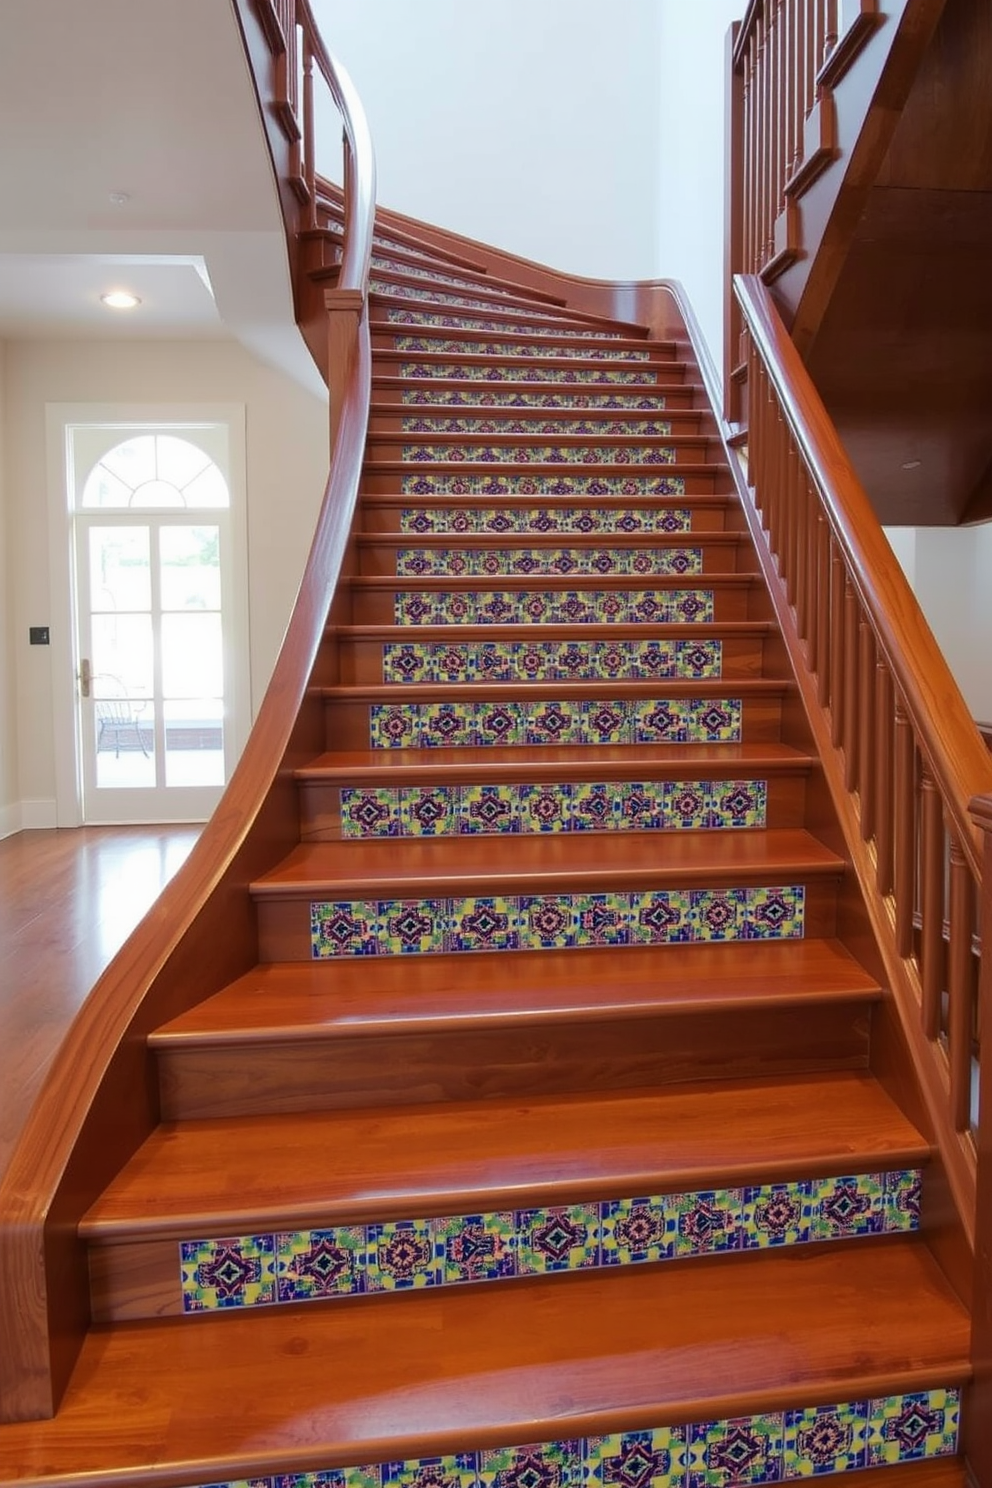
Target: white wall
489, 120
9, 817
287, 469
690, 120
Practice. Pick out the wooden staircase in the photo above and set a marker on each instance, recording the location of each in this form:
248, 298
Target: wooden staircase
551, 1141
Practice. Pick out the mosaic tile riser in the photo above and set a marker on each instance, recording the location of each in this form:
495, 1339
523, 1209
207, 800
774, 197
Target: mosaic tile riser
561, 344
426, 294
429, 484
496, 398
554, 721
564, 519
474, 372
520, 327
445, 810
550, 562
543, 607
433, 276
475, 662
562, 427
546, 454
349, 1260
554, 922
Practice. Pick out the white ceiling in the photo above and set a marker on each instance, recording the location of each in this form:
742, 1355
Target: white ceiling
132, 156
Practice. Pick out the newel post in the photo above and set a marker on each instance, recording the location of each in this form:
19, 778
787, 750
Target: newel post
977, 1438
344, 314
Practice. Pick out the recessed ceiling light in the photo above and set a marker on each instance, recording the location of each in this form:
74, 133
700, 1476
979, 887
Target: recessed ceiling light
120, 299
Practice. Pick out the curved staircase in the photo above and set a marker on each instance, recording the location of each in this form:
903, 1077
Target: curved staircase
553, 1140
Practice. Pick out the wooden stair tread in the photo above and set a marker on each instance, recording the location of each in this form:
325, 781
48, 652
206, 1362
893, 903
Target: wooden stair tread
701, 630
554, 583
536, 863
239, 1175
451, 1369
520, 763
396, 995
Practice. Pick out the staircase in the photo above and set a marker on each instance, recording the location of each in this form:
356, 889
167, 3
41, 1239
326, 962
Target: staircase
548, 1144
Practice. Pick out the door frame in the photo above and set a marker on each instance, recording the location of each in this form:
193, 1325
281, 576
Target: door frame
59, 418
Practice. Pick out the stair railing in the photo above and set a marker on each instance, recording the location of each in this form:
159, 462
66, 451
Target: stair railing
99, 1100
885, 708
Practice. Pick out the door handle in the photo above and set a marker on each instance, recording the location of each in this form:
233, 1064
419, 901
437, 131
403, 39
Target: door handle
85, 677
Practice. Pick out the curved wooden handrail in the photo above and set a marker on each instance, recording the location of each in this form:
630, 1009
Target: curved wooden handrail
98, 1101
948, 736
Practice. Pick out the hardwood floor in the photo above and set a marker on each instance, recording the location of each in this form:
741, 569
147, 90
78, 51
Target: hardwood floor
68, 900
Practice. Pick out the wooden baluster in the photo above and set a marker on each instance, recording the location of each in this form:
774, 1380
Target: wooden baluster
309, 169
823, 549
884, 723
905, 827
795, 523
977, 1440
931, 903
802, 501
866, 729
852, 615
837, 581
814, 522
960, 1019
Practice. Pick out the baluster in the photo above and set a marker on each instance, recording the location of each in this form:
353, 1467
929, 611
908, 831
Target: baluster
905, 825
823, 547
799, 72
866, 729
852, 611
883, 777
837, 580
812, 576
309, 170
960, 1020
802, 502
931, 903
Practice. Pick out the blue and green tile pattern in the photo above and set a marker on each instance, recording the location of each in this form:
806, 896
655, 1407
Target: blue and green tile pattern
536, 922
542, 454
550, 661
429, 483
554, 607
555, 721
564, 806
569, 520
403, 1255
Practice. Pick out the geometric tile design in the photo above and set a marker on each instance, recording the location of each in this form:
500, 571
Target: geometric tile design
535, 922
434, 276
510, 372
544, 607
409, 1254
491, 562
472, 810
400, 316
542, 485
549, 661
563, 519
554, 721
542, 454
562, 427
431, 296
773, 1447
526, 349
500, 398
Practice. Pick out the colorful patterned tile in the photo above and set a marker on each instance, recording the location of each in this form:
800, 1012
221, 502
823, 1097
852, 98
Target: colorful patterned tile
448, 726
420, 609
428, 810
663, 722
825, 1439
350, 928
637, 1459
606, 722
547, 922
848, 1206
601, 919
412, 926
709, 722
547, 1465
636, 1230
312, 1265
233, 1272
431, 1472
558, 425
717, 914
660, 917
394, 727
488, 809
738, 1452
699, 658
499, 723
403, 1255
371, 811
475, 372
537, 454
405, 661
641, 806
559, 1239
484, 924
539, 350
705, 1223
332, 1477
905, 1428
902, 1200
552, 723
737, 803
514, 398
596, 807
685, 803
438, 483
535, 326
477, 1247
775, 914
545, 808
775, 1214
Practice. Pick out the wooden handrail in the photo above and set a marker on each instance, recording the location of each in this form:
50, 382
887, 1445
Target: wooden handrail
99, 1100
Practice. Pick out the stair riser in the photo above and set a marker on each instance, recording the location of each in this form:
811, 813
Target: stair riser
342, 1073
425, 482
412, 724
289, 928
472, 396
417, 307
549, 658
509, 423
523, 449
481, 336
547, 600
559, 517
658, 805
425, 361
393, 290
595, 561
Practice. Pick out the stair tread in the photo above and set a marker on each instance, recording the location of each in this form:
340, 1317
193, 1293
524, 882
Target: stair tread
608, 687
543, 583
232, 1175
522, 763
397, 995
543, 862
451, 1369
